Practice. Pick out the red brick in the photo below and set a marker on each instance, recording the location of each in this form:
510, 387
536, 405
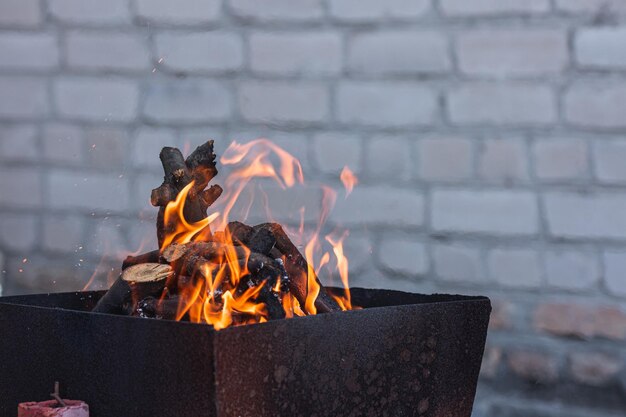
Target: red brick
593, 368
534, 366
581, 321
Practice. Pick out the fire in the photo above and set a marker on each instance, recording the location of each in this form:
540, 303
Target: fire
219, 291
349, 179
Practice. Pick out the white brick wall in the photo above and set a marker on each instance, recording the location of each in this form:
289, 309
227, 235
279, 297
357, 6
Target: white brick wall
394, 104
502, 104
98, 51
307, 53
501, 53
200, 51
490, 212
399, 52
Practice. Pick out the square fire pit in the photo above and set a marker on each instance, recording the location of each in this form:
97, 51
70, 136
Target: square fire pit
401, 355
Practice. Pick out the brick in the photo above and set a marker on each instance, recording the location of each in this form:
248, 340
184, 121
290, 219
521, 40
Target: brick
148, 144
63, 143
89, 192
492, 212
595, 105
106, 147
502, 104
95, 99
454, 263
333, 151
359, 11
534, 366
403, 256
181, 12
301, 53
614, 278
281, 102
20, 188
187, 101
590, 6
399, 52
277, 10
463, 8
580, 321
503, 161
18, 232
601, 47
573, 215
515, 268
91, 12
396, 164
445, 159
28, 51
389, 104
501, 53
107, 51
23, 97
20, 13
594, 368
63, 234
572, 269
197, 52
608, 161
18, 143
558, 159
380, 205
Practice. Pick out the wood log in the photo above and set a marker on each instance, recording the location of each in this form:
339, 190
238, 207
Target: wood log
198, 167
154, 308
297, 269
134, 284
144, 258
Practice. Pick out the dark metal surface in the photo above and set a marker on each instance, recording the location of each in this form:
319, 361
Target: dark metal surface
403, 355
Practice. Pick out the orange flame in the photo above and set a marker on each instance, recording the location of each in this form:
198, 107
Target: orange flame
213, 293
349, 179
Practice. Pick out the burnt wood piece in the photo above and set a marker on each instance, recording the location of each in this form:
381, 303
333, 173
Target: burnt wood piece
199, 167
134, 284
297, 269
262, 241
239, 232
145, 258
154, 308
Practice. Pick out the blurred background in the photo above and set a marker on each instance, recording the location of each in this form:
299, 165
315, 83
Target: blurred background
487, 135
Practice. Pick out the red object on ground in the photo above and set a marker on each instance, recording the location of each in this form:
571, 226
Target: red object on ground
51, 408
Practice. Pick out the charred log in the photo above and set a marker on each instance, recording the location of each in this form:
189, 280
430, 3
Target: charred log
134, 284
154, 308
298, 269
200, 168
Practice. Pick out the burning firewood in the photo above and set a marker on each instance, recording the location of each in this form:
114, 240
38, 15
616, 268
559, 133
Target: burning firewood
238, 275
134, 284
297, 269
198, 167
